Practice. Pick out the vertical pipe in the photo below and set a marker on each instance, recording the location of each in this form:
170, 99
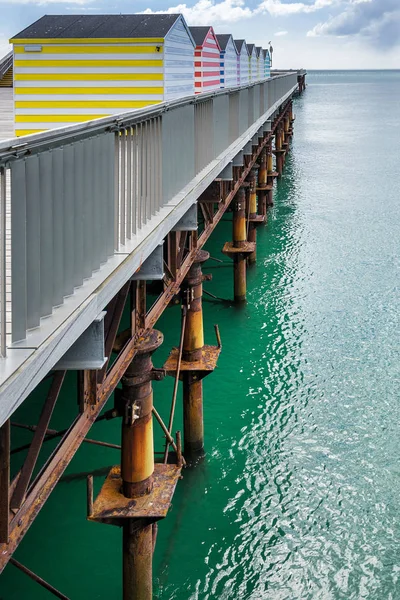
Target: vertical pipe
137, 546
137, 467
193, 343
252, 212
239, 240
4, 481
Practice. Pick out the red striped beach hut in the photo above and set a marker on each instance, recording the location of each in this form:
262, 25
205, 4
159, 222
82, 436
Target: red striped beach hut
206, 59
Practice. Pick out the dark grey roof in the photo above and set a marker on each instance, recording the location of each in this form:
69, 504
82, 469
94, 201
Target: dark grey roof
258, 50
199, 34
239, 45
250, 48
99, 26
265, 52
223, 40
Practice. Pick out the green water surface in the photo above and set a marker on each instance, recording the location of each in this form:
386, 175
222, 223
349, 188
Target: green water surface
297, 497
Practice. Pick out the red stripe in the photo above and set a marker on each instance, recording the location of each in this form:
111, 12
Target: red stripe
214, 82
201, 65
199, 84
206, 73
211, 54
209, 45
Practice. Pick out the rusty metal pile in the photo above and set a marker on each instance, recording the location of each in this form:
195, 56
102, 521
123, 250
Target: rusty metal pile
137, 492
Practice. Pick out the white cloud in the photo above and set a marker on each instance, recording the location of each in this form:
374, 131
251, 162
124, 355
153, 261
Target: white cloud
205, 12
46, 2
377, 21
277, 9
280, 33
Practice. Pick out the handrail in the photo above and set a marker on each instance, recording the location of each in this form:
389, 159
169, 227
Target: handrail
82, 195
15, 147
5, 63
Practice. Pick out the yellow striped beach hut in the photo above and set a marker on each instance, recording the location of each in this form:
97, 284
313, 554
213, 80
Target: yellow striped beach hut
74, 68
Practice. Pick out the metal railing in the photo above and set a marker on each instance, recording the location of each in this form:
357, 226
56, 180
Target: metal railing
73, 197
5, 64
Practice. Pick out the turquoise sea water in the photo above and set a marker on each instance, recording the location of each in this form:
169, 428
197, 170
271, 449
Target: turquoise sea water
297, 497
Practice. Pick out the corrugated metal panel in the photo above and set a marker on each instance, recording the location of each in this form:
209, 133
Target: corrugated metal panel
178, 63
221, 124
229, 65
207, 63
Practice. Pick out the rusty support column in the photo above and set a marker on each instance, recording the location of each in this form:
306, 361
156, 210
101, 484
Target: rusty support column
4, 481
240, 247
137, 547
239, 240
252, 212
193, 343
262, 185
270, 176
137, 466
279, 151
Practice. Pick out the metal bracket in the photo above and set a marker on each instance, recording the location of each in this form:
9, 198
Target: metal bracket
248, 149
238, 161
152, 268
189, 220
227, 173
267, 126
87, 353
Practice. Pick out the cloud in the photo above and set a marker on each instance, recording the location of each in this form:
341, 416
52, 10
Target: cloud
280, 33
205, 12
46, 2
375, 20
276, 9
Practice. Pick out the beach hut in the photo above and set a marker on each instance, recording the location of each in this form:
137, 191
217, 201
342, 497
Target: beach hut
228, 60
260, 63
252, 62
73, 68
243, 62
206, 59
267, 63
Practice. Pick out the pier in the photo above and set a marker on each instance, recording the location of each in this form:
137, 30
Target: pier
92, 214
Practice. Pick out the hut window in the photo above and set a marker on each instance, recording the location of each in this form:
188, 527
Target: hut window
33, 48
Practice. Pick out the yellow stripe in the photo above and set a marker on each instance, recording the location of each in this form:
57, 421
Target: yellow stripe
88, 63
88, 90
87, 104
88, 77
87, 41
56, 118
87, 49
21, 132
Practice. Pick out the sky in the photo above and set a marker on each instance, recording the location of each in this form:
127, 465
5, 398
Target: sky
312, 34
